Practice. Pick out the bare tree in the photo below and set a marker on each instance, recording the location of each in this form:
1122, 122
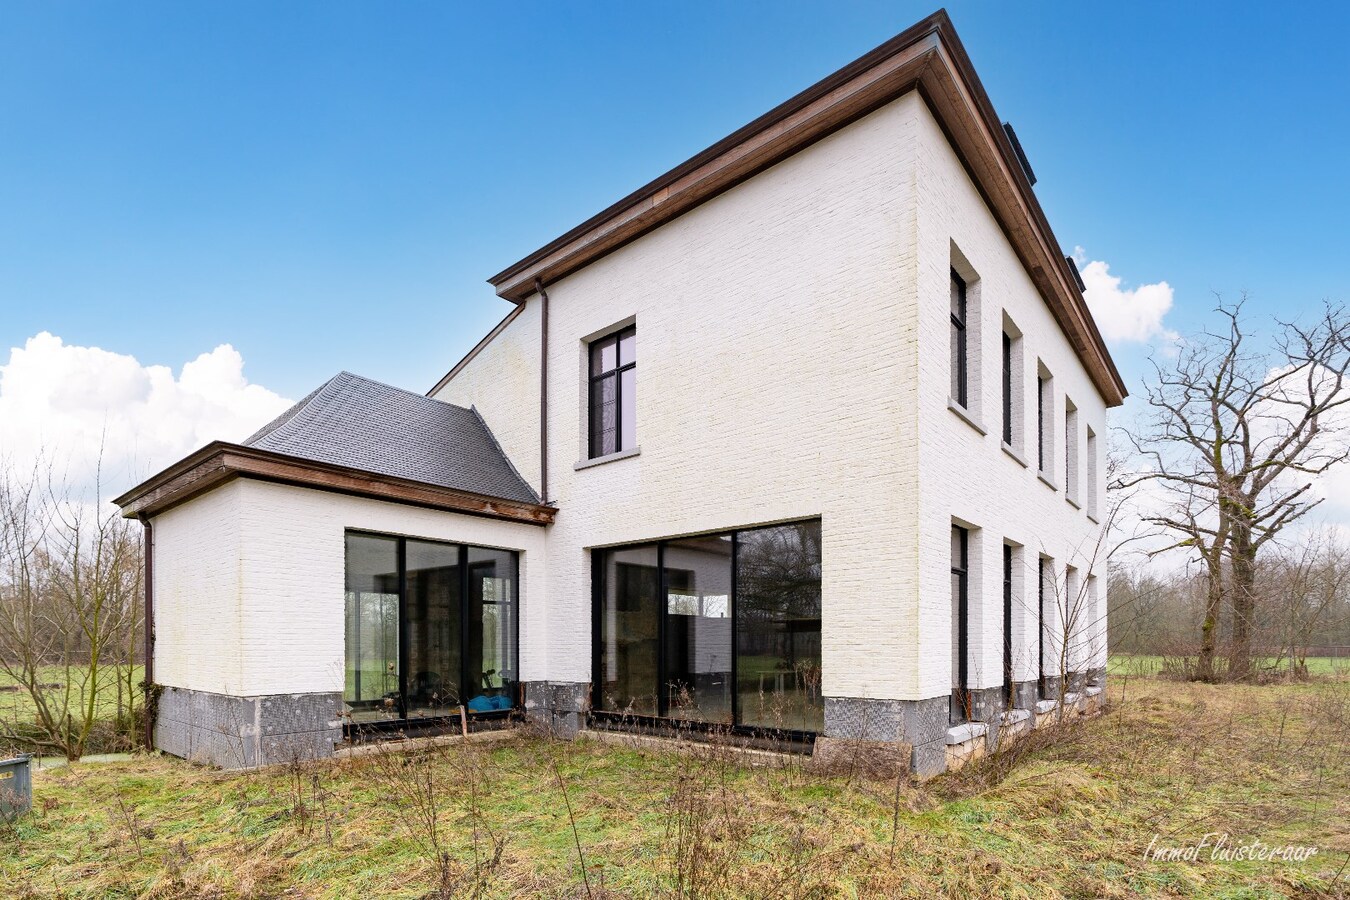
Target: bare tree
1234, 440
70, 616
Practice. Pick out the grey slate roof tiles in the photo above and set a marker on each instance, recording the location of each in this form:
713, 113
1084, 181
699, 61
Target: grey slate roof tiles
362, 424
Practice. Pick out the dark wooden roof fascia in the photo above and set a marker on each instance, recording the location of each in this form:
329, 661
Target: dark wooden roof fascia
928, 57
219, 462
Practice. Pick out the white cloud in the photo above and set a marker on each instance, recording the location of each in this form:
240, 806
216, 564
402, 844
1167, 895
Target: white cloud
1125, 315
59, 402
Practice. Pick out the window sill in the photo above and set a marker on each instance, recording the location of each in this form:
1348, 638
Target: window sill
1093, 519
1046, 481
601, 460
1021, 460
1072, 502
965, 415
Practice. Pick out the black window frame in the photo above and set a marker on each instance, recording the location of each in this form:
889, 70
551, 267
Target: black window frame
961, 699
960, 335
1007, 389
1041, 382
662, 721
1008, 685
1041, 568
593, 349
403, 721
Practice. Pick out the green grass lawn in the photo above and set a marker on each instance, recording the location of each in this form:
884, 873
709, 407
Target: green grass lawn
1069, 818
16, 706
1321, 666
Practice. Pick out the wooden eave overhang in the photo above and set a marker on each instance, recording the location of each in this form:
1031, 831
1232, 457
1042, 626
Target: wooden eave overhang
928, 58
220, 462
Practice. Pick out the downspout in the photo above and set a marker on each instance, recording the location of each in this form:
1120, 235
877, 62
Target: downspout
543, 389
151, 695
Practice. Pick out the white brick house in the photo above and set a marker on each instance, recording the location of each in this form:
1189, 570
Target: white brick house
802, 438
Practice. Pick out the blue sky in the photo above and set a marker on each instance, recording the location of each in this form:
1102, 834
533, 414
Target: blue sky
326, 186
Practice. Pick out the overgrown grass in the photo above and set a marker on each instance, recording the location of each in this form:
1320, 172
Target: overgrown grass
1068, 818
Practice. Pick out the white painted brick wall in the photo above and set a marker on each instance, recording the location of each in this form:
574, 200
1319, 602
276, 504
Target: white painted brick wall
967, 475
198, 593
275, 624
792, 363
775, 358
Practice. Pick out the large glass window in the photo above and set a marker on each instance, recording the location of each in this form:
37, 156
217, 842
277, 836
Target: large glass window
681, 623
778, 627
629, 630
431, 621
613, 393
372, 671
430, 627
698, 628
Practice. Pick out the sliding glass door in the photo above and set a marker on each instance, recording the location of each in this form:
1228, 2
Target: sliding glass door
716, 629
429, 627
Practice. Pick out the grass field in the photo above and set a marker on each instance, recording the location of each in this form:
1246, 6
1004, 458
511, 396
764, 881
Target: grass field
1167, 763
17, 705
1319, 666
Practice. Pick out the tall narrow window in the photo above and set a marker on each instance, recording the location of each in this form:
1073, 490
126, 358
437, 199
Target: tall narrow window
1042, 575
1091, 473
1007, 625
1070, 450
1047, 424
613, 393
960, 705
960, 380
1007, 389
1041, 383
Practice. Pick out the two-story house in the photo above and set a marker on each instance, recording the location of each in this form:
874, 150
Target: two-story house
802, 438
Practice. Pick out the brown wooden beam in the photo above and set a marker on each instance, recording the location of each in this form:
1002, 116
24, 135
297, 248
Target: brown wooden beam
220, 462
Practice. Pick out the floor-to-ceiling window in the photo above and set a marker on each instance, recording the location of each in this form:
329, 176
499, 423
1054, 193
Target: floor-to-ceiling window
718, 629
430, 626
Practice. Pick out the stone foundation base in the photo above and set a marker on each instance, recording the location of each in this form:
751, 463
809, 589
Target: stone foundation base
559, 707
244, 732
922, 724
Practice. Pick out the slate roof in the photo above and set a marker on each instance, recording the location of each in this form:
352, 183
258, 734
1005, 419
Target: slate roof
362, 424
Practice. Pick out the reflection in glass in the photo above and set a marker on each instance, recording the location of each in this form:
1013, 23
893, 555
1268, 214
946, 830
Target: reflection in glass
491, 637
371, 601
628, 631
432, 624
698, 628
778, 627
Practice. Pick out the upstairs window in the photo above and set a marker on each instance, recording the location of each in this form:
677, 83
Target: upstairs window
960, 379
1091, 473
1007, 389
1070, 450
1045, 422
613, 393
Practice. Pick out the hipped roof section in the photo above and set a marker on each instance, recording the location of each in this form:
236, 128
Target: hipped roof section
358, 436
929, 58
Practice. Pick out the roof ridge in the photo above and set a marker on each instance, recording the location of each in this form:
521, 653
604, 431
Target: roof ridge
290, 413
396, 388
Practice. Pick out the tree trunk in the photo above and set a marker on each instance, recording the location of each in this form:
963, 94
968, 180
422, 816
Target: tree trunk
1243, 574
1204, 667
